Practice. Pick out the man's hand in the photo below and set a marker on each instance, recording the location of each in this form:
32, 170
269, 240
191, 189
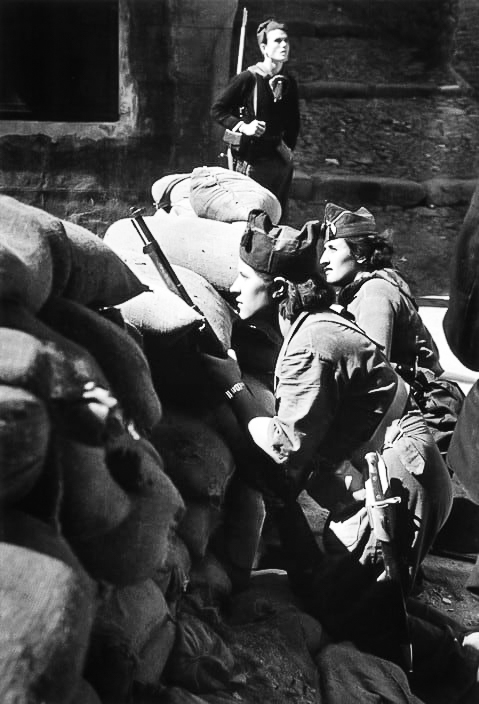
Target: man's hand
255, 128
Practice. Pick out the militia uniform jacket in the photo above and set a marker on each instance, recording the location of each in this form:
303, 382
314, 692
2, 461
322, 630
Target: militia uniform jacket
333, 386
383, 307
282, 118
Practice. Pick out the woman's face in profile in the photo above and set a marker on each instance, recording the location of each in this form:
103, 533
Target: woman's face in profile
339, 265
253, 292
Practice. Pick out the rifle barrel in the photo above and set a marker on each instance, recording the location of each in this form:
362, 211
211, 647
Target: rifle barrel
239, 64
210, 341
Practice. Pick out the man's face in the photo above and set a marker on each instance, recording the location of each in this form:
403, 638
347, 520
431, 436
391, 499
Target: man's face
339, 265
253, 292
277, 45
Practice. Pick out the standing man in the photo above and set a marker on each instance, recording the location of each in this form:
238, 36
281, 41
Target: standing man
262, 105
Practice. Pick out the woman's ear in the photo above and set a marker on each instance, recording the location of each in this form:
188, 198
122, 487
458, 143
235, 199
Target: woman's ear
361, 260
279, 288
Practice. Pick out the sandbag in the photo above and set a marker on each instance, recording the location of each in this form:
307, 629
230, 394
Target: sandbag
120, 550
207, 247
41, 239
24, 439
85, 694
159, 312
228, 196
26, 262
200, 661
98, 277
173, 576
45, 622
210, 579
346, 675
119, 356
172, 193
197, 460
173, 317
26, 531
178, 695
197, 526
132, 637
72, 365
42, 367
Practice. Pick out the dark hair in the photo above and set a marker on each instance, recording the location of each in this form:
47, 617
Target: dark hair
315, 294
376, 250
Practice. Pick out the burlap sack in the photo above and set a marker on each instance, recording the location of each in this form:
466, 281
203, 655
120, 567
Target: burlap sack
39, 239
45, 622
26, 260
132, 637
162, 311
200, 661
207, 247
85, 694
159, 312
26, 531
64, 365
172, 193
119, 356
210, 579
98, 277
24, 440
197, 526
228, 196
133, 549
197, 459
173, 576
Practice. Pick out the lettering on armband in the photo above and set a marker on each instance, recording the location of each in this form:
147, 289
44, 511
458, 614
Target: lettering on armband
235, 389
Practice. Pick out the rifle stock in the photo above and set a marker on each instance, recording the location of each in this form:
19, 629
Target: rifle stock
208, 340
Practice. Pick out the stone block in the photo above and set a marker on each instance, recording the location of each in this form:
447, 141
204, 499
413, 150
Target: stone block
449, 191
367, 190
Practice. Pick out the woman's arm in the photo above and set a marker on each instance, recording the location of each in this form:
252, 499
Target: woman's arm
307, 399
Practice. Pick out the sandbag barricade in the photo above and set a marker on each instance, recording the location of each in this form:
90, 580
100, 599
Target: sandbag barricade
76, 404
228, 196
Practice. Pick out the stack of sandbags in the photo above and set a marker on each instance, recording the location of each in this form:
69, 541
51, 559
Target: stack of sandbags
93, 475
85, 497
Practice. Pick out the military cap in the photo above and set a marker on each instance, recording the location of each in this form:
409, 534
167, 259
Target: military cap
339, 222
268, 26
279, 250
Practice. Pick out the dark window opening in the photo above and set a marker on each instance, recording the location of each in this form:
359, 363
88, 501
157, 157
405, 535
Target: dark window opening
59, 60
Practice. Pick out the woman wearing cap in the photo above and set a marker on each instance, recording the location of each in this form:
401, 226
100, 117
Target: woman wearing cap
338, 397
262, 104
357, 261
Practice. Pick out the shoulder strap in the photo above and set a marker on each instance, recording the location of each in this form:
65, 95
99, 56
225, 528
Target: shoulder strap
165, 201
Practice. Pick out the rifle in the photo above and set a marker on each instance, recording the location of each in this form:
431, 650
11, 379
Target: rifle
382, 518
230, 137
210, 342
